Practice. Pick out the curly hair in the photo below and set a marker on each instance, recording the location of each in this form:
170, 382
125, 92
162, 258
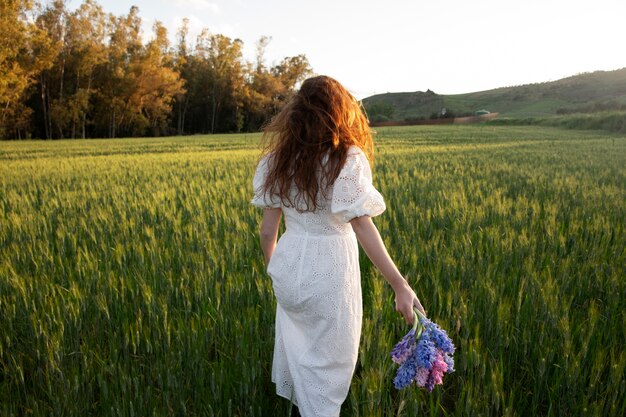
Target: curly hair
308, 141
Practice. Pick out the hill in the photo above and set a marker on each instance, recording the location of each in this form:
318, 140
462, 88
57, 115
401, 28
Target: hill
587, 92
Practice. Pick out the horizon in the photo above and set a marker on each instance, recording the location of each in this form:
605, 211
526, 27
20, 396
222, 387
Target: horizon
402, 51
502, 87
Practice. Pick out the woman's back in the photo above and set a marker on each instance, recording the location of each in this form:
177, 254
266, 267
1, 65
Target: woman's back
351, 195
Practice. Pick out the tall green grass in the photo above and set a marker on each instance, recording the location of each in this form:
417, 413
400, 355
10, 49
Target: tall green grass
132, 282
611, 121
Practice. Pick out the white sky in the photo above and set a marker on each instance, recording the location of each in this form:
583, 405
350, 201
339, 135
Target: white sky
450, 47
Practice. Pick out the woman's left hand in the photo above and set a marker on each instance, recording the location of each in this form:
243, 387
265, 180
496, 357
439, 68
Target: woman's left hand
406, 300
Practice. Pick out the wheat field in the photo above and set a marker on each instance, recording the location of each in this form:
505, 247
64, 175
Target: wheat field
132, 282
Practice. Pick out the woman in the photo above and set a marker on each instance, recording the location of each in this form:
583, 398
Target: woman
315, 171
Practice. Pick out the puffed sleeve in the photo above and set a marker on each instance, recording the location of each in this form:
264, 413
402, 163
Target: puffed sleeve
354, 194
262, 199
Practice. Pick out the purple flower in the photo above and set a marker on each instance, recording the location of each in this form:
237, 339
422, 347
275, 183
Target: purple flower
404, 348
421, 377
406, 372
430, 383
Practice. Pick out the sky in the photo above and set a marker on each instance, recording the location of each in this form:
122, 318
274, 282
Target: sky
449, 47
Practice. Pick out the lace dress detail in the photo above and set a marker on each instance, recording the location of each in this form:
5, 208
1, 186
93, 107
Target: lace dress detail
317, 283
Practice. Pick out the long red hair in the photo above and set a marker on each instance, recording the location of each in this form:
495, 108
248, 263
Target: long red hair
308, 141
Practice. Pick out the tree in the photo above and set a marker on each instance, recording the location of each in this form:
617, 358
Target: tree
220, 80
86, 36
183, 67
25, 51
156, 82
291, 72
269, 88
52, 81
118, 82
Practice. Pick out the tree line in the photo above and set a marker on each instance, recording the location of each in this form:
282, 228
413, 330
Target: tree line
87, 73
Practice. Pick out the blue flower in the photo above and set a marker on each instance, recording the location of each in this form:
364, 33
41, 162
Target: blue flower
426, 352
440, 338
406, 372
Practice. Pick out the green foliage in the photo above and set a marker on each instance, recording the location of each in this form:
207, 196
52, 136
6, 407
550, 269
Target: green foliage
132, 281
608, 121
595, 107
379, 111
406, 106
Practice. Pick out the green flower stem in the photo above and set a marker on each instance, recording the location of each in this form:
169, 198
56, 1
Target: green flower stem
416, 322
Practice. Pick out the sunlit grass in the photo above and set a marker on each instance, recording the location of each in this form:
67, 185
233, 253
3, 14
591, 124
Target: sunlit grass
132, 283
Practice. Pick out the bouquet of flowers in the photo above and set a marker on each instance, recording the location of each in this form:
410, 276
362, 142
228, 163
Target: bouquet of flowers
424, 354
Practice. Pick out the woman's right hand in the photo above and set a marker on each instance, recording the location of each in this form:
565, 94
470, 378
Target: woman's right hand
406, 300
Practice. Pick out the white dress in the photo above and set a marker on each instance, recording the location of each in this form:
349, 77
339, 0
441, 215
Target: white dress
317, 283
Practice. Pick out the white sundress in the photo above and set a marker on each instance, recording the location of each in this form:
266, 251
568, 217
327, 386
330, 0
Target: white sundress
317, 283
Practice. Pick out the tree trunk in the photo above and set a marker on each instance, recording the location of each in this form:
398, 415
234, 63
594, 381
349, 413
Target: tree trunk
61, 134
112, 123
213, 116
3, 129
179, 109
75, 104
84, 118
184, 114
44, 107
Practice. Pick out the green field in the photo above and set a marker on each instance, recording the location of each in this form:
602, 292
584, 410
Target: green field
132, 282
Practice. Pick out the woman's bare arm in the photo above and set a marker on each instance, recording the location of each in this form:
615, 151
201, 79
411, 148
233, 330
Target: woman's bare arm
369, 238
269, 231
